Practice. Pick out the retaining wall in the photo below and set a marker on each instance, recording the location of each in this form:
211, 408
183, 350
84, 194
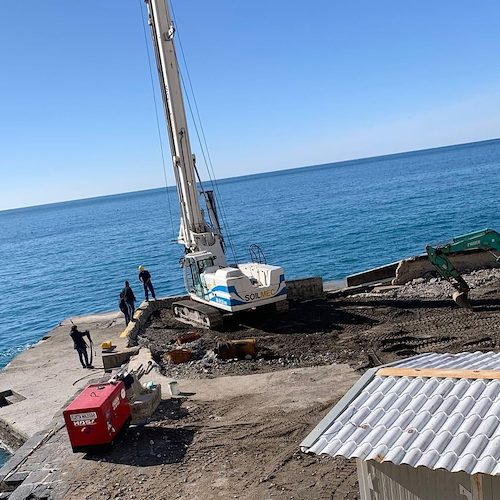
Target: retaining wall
142, 314
403, 271
419, 266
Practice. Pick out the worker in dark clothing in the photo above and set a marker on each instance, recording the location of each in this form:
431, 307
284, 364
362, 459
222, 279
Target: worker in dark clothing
145, 279
80, 345
129, 299
124, 308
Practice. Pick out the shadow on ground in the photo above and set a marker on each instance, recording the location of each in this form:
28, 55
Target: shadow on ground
153, 444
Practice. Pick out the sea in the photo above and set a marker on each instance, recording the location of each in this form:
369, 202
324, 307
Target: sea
68, 259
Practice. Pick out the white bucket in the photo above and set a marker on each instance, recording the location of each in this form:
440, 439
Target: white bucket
173, 387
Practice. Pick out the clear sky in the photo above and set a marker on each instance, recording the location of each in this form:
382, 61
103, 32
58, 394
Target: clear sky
279, 83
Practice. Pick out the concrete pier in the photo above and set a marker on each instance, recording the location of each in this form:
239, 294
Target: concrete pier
41, 379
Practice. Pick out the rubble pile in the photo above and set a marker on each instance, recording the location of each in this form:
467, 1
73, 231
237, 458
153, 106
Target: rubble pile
435, 288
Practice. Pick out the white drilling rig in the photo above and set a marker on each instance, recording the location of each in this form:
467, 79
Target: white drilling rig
213, 286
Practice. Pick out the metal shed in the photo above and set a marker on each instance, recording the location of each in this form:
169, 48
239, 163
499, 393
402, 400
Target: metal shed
425, 428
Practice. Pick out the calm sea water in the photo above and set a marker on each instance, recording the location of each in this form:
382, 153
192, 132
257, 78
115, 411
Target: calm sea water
332, 220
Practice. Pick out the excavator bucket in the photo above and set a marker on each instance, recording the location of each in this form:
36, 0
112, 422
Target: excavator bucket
462, 300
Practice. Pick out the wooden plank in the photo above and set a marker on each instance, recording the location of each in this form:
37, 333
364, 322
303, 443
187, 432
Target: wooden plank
439, 373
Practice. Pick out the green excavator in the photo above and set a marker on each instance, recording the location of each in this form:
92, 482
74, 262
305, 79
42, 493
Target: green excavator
438, 256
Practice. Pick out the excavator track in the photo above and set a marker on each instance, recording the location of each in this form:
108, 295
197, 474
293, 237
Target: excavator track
194, 313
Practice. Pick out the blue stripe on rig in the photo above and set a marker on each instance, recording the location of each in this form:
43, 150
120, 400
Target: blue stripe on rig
249, 299
227, 302
225, 289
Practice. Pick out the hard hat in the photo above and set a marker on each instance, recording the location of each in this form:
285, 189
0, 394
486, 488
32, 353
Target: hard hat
141, 268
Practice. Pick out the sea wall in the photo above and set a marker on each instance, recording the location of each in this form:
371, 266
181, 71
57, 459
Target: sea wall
382, 273
403, 271
419, 266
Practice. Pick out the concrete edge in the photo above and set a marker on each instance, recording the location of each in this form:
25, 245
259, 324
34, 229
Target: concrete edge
36, 440
418, 266
142, 315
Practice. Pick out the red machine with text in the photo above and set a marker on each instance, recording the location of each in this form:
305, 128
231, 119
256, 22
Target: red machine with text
97, 415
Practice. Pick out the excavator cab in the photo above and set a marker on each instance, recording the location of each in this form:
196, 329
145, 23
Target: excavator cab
195, 265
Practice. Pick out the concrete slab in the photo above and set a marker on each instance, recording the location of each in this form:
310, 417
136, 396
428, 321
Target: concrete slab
46, 375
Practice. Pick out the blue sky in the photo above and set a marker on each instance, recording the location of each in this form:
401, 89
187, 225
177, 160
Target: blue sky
279, 84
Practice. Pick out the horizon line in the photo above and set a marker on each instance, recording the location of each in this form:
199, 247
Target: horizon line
351, 160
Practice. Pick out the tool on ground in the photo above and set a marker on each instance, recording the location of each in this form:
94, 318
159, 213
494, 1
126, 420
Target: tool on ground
439, 257
212, 285
92, 352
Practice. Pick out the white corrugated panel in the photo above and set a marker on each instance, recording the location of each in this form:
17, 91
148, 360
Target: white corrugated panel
439, 423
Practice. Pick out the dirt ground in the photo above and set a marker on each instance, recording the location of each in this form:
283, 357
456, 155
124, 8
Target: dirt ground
247, 447
361, 329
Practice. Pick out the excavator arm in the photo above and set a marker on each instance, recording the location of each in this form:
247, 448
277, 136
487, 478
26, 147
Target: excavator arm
438, 256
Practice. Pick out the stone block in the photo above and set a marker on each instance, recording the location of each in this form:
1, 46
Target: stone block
305, 288
14, 480
143, 405
116, 359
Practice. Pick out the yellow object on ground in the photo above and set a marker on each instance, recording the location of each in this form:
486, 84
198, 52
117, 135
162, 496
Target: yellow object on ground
106, 345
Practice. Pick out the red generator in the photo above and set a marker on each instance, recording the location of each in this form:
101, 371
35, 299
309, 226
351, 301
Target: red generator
97, 415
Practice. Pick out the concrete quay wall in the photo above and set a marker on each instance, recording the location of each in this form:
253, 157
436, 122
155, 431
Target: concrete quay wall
406, 270
43, 377
419, 266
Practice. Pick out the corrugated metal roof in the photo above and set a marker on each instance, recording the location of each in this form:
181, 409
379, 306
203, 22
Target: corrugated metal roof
439, 423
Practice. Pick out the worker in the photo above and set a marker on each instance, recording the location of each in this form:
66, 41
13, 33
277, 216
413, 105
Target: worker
80, 345
129, 299
145, 279
124, 308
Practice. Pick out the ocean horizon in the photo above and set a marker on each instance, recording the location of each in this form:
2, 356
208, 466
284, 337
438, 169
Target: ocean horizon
270, 172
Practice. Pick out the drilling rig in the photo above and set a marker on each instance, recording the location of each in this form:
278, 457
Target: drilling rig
214, 286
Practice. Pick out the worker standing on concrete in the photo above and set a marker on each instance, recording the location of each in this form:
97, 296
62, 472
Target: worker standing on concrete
129, 299
124, 308
145, 279
80, 345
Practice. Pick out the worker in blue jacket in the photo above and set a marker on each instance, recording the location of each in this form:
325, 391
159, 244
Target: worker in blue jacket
80, 345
